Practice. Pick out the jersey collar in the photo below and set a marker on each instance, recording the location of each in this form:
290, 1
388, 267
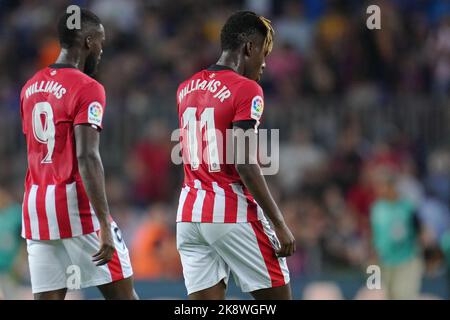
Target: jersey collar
218, 67
61, 65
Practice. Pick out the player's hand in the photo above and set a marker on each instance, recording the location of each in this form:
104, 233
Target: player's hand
106, 252
287, 240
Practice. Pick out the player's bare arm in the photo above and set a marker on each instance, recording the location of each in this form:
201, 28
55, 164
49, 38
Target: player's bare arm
91, 171
252, 177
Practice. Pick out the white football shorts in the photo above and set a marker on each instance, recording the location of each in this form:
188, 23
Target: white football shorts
67, 263
209, 251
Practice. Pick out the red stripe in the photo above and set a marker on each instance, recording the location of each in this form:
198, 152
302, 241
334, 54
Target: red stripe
252, 211
85, 210
208, 206
115, 268
269, 255
186, 215
62, 212
231, 206
42, 213
26, 216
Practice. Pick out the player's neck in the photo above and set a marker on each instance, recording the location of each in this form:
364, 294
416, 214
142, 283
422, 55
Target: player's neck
232, 60
71, 57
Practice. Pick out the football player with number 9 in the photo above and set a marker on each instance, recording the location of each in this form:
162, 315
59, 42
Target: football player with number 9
66, 218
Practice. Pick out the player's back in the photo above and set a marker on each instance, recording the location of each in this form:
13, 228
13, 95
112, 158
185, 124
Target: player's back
208, 105
53, 101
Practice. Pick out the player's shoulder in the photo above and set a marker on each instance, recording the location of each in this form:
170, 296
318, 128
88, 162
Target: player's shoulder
74, 76
184, 82
83, 80
243, 84
87, 87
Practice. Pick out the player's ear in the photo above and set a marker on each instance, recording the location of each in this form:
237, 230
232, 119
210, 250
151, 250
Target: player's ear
88, 41
248, 48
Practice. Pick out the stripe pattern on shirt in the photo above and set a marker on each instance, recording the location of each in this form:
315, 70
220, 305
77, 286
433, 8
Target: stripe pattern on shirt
211, 202
51, 212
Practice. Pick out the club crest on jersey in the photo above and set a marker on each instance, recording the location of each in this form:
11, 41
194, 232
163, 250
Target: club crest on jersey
257, 107
95, 113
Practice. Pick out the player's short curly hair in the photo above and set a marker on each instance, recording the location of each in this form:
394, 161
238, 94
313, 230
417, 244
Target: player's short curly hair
241, 25
67, 37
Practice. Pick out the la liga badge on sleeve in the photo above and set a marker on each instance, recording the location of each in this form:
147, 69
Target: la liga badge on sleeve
95, 113
257, 107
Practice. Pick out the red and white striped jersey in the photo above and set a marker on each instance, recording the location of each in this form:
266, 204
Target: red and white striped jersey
208, 105
52, 102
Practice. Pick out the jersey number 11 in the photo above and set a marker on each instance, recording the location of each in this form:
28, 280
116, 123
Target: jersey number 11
190, 122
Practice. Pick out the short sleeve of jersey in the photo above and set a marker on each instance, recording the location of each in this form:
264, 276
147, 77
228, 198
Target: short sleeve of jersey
249, 102
91, 105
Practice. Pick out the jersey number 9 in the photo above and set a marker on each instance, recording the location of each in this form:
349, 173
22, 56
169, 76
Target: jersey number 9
44, 131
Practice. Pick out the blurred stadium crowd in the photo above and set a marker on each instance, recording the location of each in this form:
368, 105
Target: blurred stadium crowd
347, 101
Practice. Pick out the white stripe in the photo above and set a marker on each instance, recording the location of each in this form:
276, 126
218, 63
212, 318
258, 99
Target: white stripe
72, 206
219, 203
197, 209
50, 208
285, 270
123, 254
95, 221
241, 203
260, 211
183, 195
23, 218
34, 220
